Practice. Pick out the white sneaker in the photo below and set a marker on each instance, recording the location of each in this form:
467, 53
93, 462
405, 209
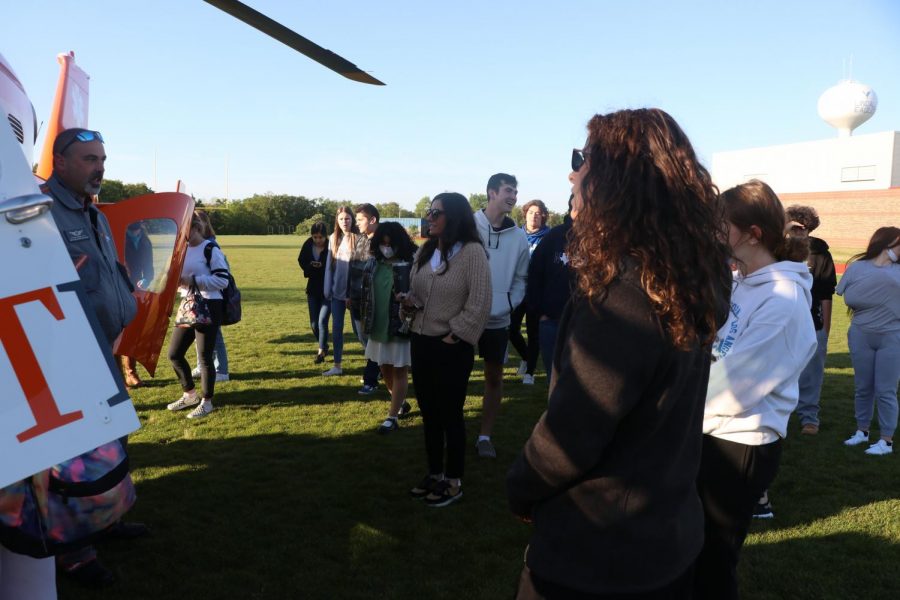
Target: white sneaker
333, 371
880, 448
857, 438
221, 377
523, 368
201, 411
195, 372
527, 379
185, 401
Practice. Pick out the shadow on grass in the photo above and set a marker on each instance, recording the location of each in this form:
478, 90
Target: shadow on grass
300, 516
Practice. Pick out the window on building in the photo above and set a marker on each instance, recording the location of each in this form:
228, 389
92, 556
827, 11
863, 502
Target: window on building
862, 173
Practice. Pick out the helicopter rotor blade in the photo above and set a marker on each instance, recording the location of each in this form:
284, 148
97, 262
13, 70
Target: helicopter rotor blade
290, 38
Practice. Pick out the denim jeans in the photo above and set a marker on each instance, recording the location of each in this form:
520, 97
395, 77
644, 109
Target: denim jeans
338, 310
319, 311
811, 382
547, 335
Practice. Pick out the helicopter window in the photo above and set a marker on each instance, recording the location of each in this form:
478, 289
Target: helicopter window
148, 251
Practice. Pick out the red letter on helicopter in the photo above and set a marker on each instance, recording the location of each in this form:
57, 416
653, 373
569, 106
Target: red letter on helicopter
25, 364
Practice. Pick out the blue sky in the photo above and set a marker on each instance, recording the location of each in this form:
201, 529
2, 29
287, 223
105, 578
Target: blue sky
472, 87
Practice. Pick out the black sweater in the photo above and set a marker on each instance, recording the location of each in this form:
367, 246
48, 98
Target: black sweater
550, 278
313, 270
821, 266
608, 474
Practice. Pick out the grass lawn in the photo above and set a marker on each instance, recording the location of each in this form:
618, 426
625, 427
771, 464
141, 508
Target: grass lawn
287, 492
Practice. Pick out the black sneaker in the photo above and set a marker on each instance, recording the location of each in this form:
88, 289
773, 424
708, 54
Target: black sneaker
91, 574
389, 425
763, 511
443, 494
425, 486
405, 409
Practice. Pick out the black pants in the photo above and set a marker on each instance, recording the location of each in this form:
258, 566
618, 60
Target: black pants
731, 480
440, 373
533, 587
529, 350
181, 341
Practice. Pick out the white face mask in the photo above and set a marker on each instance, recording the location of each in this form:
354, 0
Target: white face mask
386, 251
892, 255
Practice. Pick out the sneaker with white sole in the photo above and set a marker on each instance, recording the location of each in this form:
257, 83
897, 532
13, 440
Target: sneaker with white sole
527, 379
763, 510
186, 401
523, 368
860, 437
880, 448
201, 411
444, 494
333, 371
221, 377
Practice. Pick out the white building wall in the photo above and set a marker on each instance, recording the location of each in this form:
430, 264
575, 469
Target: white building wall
861, 162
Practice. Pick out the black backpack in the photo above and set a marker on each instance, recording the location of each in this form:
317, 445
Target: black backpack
231, 294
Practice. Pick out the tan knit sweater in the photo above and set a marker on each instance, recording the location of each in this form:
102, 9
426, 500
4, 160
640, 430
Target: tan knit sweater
455, 300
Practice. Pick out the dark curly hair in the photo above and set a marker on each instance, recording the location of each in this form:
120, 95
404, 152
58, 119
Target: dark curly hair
646, 198
404, 247
805, 215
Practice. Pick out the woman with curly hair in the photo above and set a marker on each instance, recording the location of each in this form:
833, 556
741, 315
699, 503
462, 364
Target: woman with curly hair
758, 354
871, 289
608, 476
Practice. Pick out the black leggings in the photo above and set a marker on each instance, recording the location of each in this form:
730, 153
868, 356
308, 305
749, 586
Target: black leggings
440, 373
180, 342
529, 350
732, 478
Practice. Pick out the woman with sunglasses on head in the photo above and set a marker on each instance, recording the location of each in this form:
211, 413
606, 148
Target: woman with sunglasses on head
758, 354
608, 476
449, 299
388, 344
871, 289
210, 279
337, 279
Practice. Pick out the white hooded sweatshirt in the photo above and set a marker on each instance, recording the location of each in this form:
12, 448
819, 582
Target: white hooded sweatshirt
508, 258
759, 354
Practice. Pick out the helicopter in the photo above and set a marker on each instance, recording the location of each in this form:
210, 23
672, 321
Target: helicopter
61, 392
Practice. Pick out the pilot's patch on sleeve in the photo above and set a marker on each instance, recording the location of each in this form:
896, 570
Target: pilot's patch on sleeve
77, 235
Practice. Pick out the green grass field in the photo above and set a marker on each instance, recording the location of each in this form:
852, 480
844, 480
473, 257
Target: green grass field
287, 492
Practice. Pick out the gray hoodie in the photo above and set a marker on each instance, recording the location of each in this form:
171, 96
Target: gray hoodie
759, 354
104, 280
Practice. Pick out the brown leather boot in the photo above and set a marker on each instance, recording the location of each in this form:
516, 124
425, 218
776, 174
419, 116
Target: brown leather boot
129, 366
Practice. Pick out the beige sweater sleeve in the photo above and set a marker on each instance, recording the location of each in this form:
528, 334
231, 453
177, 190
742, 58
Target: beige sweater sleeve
469, 322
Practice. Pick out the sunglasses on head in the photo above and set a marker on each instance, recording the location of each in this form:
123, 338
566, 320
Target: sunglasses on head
578, 158
84, 136
434, 213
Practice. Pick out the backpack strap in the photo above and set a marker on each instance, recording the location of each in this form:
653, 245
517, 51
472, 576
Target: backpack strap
207, 253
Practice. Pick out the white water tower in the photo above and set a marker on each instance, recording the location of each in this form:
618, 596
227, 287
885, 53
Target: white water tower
847, 105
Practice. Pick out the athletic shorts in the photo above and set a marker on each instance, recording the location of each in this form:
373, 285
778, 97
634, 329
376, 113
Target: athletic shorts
492, 345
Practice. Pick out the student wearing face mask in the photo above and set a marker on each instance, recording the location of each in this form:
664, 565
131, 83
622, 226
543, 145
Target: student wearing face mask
312, 260
388, 344
871, 289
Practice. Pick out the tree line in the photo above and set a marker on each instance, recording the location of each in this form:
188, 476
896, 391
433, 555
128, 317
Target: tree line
262, 214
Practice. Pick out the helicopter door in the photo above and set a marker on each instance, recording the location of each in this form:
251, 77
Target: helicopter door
150, 233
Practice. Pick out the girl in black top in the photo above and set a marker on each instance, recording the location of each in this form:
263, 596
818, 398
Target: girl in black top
312, 261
